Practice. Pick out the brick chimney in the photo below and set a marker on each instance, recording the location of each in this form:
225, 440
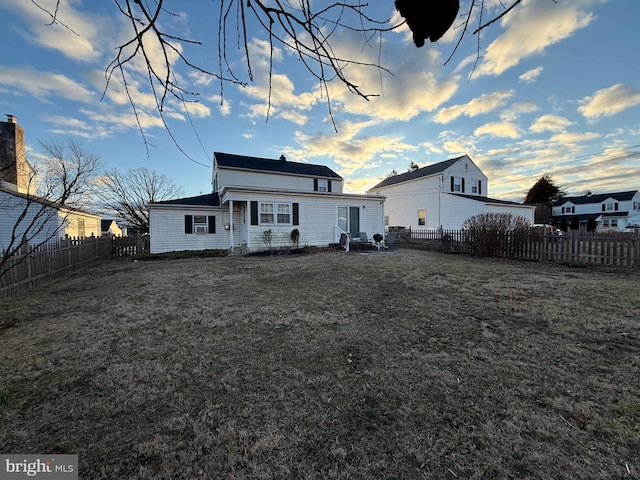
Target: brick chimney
14, 167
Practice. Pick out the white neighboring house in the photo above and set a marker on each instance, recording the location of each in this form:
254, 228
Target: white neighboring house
42, 221
611, 211
441, 195
254, 195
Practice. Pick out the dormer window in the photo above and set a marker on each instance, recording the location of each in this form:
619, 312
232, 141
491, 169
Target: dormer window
610, 207
321, 185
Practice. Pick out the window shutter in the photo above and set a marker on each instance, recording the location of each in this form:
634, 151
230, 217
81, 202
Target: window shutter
315, 184
254, 213
328, 185
188, 224
212, 223
615, 206
296, 214
463, 185
603, 207
452, 180
479, 187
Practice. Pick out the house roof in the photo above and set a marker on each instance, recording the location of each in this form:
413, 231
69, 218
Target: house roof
45, 201
210, 200
270, 165
420, 172
598, 198
488, 200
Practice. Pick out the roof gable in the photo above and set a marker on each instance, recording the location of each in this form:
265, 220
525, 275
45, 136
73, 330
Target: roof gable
273, 166
419, 173
598, 198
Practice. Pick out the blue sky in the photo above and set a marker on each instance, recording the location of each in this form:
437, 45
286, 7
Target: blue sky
556, 90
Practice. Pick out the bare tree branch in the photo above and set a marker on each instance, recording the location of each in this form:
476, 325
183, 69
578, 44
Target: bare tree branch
127, 194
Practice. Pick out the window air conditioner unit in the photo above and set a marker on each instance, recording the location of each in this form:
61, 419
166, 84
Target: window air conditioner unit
201, 229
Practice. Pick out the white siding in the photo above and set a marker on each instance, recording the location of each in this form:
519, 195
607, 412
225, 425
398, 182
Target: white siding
318, 216
457, 209
92, 224
166, 227
272, 181
526, 211
466, 169
40, 221
405, 199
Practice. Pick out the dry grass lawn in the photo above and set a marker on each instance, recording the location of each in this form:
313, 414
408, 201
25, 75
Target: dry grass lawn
328, 366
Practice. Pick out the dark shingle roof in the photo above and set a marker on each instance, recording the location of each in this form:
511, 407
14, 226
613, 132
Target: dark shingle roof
421, 172
210, 200
270, 165
601, 197
487, 199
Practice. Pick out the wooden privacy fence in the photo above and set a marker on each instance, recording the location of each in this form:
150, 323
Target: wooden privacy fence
600, 248
57, 259
127, 246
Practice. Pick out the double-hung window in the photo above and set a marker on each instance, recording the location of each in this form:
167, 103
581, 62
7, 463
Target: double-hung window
457, 184
199, 224
275, 213
422, 217
284, 213
266, 213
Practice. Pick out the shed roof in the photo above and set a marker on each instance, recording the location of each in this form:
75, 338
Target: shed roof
270, 165
210, 199
488, 200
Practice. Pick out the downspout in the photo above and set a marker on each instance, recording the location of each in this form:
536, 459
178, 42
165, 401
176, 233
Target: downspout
441, 180
231, 223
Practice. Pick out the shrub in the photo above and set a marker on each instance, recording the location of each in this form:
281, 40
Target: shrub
493, 234
267, 237
295, 237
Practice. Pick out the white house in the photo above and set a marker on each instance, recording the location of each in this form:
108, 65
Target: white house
442, 195
252, 196
610, 211
39, 220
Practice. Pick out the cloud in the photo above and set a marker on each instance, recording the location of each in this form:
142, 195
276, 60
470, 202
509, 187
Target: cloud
549, 123
74, 35
610, 101
350, 148
517, 109
44, 84
574, 138
530, 75
530, 29
498, 129
484, 104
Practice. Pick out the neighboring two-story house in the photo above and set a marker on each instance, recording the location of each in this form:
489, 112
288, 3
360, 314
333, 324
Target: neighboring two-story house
441, 195
252, 196
610, 211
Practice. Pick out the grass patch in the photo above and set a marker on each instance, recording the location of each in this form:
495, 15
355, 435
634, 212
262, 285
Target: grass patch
327, 366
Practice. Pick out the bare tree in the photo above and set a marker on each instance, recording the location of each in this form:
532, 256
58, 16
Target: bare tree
61, 182
127, 194
306, 28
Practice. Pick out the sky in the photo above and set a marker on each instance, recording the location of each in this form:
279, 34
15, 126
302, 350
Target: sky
550, 88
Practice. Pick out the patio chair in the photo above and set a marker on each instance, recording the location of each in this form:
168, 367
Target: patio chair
364, 240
